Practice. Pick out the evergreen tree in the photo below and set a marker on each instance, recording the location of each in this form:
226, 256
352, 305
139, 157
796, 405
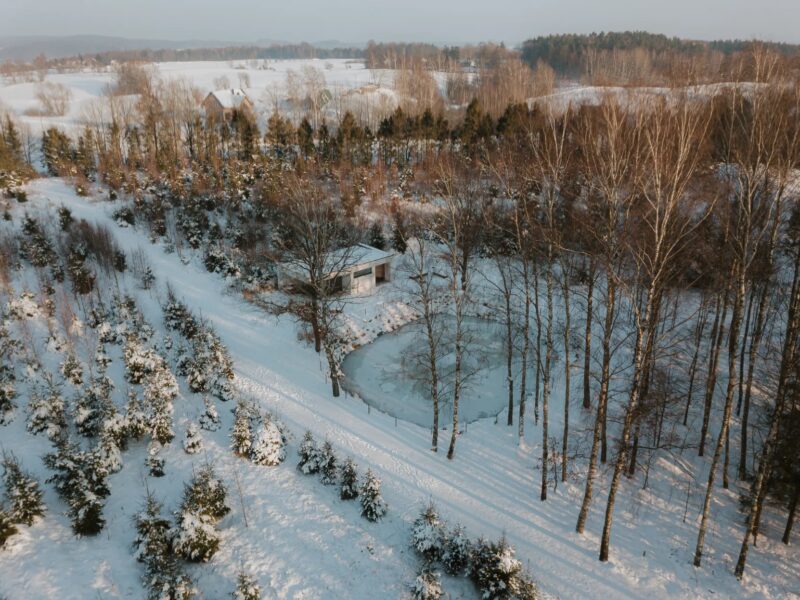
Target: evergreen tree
373, 506
193, 443
376, 237
241, 434
194, 537
7, 527
205, 494
246, 587
135, 417
164, 575
71, 370
328, 467
399, 240
498, 574
309, 455
209, 420
457, 551
8, 390
349, 485
22, 491
427, 586
154, 462
47, 413
268, 448
427, 534
305, 137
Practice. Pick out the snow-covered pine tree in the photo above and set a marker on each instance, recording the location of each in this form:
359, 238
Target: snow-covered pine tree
309, 454
268, 448
247, 587
160, 389
7, 527
373, 506
193, 442
209, 420
135, 417
72, 370
427, 534
194, 537
349, 480
22, 492
154, 462
498, 574
109, 445
328, 468
164, 575
47, 412
457, 551
241, 434
427, 586
205, 494
94, 406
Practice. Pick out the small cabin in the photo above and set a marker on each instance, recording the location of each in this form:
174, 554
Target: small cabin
221, 104
363, 269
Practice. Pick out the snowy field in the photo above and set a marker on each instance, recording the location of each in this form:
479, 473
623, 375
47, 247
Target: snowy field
301, 541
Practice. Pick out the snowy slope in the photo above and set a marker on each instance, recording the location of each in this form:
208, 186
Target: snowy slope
302, 542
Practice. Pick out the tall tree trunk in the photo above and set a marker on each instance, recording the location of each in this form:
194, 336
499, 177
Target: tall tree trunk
567, 366
526, 344
546, 375
587, 337
600, 418
733, 344
717, 335
538, 314
698, 337
748, 325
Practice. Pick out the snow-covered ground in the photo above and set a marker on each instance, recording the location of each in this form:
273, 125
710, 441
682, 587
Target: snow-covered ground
301, 541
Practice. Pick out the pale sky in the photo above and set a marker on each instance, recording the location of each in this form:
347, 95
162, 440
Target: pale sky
440, 21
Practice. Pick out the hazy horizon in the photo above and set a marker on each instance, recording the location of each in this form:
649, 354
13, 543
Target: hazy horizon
357, 21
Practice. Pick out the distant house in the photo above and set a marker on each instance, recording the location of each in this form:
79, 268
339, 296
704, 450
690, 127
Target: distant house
221, 104
363, 269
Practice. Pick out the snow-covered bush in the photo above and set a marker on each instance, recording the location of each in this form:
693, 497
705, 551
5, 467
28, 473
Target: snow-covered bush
349, 481
246, 587
8, 391
309, 455
24, 307
497, 574
22, 492
427, 586
328, 467
427, 534
268, 448
457, 551
193, 442
373, 506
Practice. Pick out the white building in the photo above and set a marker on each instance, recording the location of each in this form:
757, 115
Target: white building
362, 269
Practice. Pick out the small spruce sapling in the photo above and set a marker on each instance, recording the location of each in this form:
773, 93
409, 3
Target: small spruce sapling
268, 448
328, 467
246, 587
22, 492
427, 586
241, 434
193, 442
349, 487
309, 455
7, 527
373, 506
427, 534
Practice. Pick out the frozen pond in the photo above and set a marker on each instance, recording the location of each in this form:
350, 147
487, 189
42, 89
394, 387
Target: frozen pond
389, 373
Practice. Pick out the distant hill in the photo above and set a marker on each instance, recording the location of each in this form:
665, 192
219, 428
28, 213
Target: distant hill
29, 46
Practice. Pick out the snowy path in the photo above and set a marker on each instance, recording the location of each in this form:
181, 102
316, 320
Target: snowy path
313, 545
